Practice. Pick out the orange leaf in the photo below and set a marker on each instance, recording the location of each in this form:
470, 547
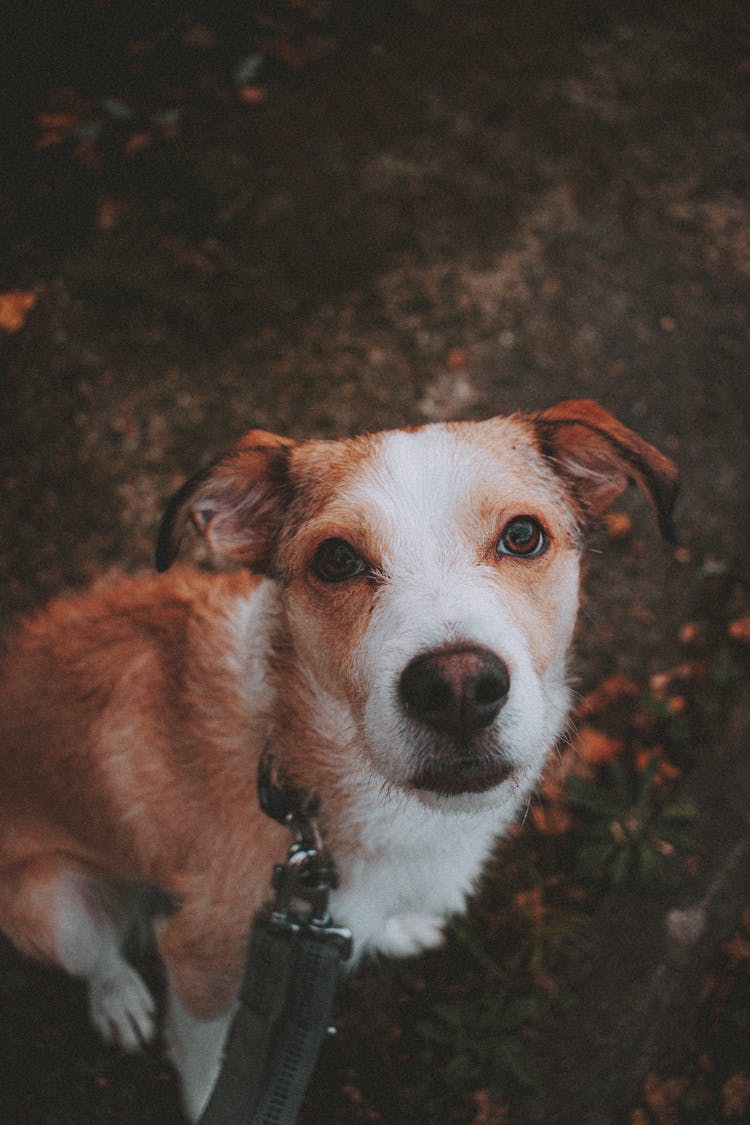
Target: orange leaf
662, 1096
137, 142
737, 949
735, 1095
490, 1110
456, 358
54, 137
252, 95
14, 305
551, 820
607, 693
689, 632
57, 120
595, 746
667, 771
618, 524
109, 212
739, 629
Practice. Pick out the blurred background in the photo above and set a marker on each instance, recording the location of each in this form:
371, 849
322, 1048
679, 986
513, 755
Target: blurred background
327, 217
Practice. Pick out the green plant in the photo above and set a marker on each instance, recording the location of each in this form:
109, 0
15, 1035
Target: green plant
482, 1038
631, 826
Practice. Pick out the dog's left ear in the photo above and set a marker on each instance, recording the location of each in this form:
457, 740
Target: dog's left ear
599, 457
237, 503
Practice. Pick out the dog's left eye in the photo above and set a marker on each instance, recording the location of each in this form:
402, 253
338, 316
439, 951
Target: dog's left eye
336, 560
523, 537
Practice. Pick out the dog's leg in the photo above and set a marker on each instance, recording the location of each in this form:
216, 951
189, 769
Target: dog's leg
204, 966
195, 1048
60, 911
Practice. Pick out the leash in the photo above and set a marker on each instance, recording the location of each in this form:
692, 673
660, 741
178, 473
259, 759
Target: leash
292, 970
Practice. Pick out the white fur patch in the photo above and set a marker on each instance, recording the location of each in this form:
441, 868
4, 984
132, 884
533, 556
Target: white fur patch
420, 492
415, 862
195, 1048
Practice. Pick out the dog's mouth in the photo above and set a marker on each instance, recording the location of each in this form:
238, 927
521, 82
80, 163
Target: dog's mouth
462, 773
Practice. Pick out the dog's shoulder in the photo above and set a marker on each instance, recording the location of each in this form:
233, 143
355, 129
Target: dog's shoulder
114, 608
187, 625
139, 677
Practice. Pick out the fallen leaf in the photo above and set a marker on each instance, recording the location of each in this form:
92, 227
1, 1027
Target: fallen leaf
737, 949
618, 524
551, 820
54, 137
57, 120
109, 212
252, 95
660, 682
689, 632
735, 1095
136, 142
739, 629
14, 307
456, 358
662, 1096
291, 55
490, 1111
595, 746
667, 771
609, 691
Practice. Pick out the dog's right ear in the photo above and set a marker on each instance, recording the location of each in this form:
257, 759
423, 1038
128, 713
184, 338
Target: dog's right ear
236, 503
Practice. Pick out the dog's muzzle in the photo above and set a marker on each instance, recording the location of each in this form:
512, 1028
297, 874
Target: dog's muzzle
457, 692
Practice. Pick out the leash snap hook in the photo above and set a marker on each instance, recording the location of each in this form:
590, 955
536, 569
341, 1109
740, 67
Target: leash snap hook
303, 884
304, 881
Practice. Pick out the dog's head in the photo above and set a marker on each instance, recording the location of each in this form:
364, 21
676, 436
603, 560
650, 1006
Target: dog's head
430, 577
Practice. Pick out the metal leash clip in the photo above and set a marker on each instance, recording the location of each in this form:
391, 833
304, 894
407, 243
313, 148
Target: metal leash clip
304, 881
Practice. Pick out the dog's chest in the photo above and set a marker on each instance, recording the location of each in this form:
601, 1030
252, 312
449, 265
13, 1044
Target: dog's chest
414, 871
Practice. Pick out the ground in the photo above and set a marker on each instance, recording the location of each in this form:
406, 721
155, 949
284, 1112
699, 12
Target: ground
321, 218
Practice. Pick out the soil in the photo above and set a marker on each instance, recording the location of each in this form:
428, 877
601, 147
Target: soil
322, 218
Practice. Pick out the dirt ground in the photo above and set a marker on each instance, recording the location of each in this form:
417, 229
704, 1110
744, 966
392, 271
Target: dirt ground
321, 218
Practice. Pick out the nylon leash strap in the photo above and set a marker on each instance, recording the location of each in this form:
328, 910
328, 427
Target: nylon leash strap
290, 980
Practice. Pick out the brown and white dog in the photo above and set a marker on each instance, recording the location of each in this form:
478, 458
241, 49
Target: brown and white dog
402, 644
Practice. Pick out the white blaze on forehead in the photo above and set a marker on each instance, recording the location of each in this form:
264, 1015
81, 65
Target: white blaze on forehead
416, 484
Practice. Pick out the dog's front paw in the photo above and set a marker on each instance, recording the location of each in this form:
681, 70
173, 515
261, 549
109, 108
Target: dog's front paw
122, 1008
406, 934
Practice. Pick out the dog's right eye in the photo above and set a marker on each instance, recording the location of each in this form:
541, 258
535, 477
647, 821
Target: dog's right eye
336, 560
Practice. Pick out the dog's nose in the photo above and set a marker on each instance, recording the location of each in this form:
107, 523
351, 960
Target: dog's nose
456, 690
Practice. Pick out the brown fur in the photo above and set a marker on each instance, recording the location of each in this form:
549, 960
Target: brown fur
132, 717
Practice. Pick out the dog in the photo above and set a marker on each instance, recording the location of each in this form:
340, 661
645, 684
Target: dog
398, 632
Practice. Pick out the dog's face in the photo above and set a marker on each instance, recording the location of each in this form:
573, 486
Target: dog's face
430, 578
431, 584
